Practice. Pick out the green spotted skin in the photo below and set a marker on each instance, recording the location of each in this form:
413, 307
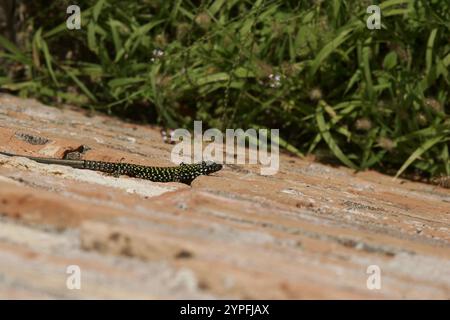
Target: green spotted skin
158, 174
184, 173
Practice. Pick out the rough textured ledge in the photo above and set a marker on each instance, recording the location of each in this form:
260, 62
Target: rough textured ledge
310, 231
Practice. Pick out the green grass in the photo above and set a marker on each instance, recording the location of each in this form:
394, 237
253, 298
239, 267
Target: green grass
368, 98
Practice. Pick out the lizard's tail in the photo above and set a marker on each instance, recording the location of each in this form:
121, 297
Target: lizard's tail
7, 154
79, 164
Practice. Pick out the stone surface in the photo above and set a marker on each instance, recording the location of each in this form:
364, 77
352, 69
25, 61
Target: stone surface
310, 231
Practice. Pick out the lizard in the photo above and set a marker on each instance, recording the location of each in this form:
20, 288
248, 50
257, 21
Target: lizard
184, 173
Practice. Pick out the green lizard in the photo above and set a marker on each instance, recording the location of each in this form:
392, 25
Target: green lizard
184, 173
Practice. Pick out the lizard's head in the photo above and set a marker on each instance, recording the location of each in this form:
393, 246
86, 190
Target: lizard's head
189, 172
207, 167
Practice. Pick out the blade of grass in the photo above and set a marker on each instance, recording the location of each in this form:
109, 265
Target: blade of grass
81, 85
17, 53
331, 46
48, 62
325, 132
417, 153
429, 52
